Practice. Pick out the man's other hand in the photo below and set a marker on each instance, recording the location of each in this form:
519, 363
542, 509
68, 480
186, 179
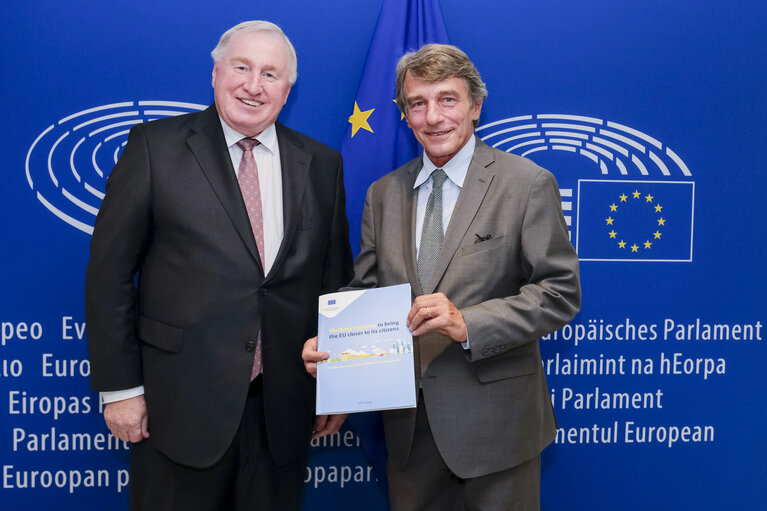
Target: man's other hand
128, 419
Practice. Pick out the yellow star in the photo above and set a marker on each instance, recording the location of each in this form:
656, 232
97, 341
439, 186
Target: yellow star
647, 244
636, 194
613, 207
657, 235
622, 244
359, 119
623, 197
401, 114
612, 234
658, 207
609, 220
649, 198
661, 221
634, 248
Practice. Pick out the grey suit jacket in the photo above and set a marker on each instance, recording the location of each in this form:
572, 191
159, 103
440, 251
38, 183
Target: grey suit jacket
489, 406
175, 293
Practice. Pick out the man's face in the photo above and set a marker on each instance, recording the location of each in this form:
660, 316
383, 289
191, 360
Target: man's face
251, 81
441, 115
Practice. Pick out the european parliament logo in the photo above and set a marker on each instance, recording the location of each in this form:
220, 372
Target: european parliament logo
631, 197
68, 163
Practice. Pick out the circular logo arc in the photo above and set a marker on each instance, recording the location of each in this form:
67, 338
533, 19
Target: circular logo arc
68, 163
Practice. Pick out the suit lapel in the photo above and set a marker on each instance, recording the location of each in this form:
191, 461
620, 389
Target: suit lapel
295, 163
478, 179
408, 214
208, 145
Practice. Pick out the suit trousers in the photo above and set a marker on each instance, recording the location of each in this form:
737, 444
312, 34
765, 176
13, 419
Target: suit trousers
427, 484
246, 477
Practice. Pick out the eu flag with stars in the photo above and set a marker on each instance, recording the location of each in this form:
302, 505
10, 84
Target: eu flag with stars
378, 139
635, 220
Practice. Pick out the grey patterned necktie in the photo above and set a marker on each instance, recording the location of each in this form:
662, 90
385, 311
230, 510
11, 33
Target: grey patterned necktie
431, 234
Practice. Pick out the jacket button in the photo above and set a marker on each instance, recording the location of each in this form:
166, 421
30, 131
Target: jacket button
250, 346
263, 291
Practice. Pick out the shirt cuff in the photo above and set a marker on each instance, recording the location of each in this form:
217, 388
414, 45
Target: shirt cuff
120, 395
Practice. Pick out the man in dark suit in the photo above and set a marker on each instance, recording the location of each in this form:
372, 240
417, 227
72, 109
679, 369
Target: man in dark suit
480, 236
217, 233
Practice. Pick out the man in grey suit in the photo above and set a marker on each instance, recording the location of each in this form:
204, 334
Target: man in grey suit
480, 236
218, 232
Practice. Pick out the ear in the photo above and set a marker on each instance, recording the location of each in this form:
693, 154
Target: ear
476, 110
213, 77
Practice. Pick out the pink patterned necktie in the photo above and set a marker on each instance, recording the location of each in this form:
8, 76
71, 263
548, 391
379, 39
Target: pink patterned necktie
251, 194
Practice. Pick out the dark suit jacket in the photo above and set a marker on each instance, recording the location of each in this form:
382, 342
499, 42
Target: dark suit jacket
186, 326
488, 407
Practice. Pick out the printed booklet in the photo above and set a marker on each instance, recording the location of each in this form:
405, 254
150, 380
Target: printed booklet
371, 351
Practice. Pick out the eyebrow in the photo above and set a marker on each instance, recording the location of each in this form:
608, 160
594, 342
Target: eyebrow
448, 92
441, 93
247, 61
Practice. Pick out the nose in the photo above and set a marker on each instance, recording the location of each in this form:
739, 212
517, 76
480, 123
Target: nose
253, 84
433, 113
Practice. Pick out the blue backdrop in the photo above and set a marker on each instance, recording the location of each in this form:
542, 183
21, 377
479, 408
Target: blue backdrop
650, 114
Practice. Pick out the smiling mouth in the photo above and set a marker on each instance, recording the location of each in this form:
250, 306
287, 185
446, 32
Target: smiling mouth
438, 133
250, 102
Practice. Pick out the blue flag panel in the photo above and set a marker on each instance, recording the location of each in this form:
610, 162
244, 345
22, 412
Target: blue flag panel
378, 139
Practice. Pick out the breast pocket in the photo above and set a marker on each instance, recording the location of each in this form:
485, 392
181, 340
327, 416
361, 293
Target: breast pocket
483, 246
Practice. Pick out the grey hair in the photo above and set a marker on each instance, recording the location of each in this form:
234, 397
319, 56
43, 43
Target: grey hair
258, 26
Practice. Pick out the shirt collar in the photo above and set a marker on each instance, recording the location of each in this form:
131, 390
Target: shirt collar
455, 169
267, 138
